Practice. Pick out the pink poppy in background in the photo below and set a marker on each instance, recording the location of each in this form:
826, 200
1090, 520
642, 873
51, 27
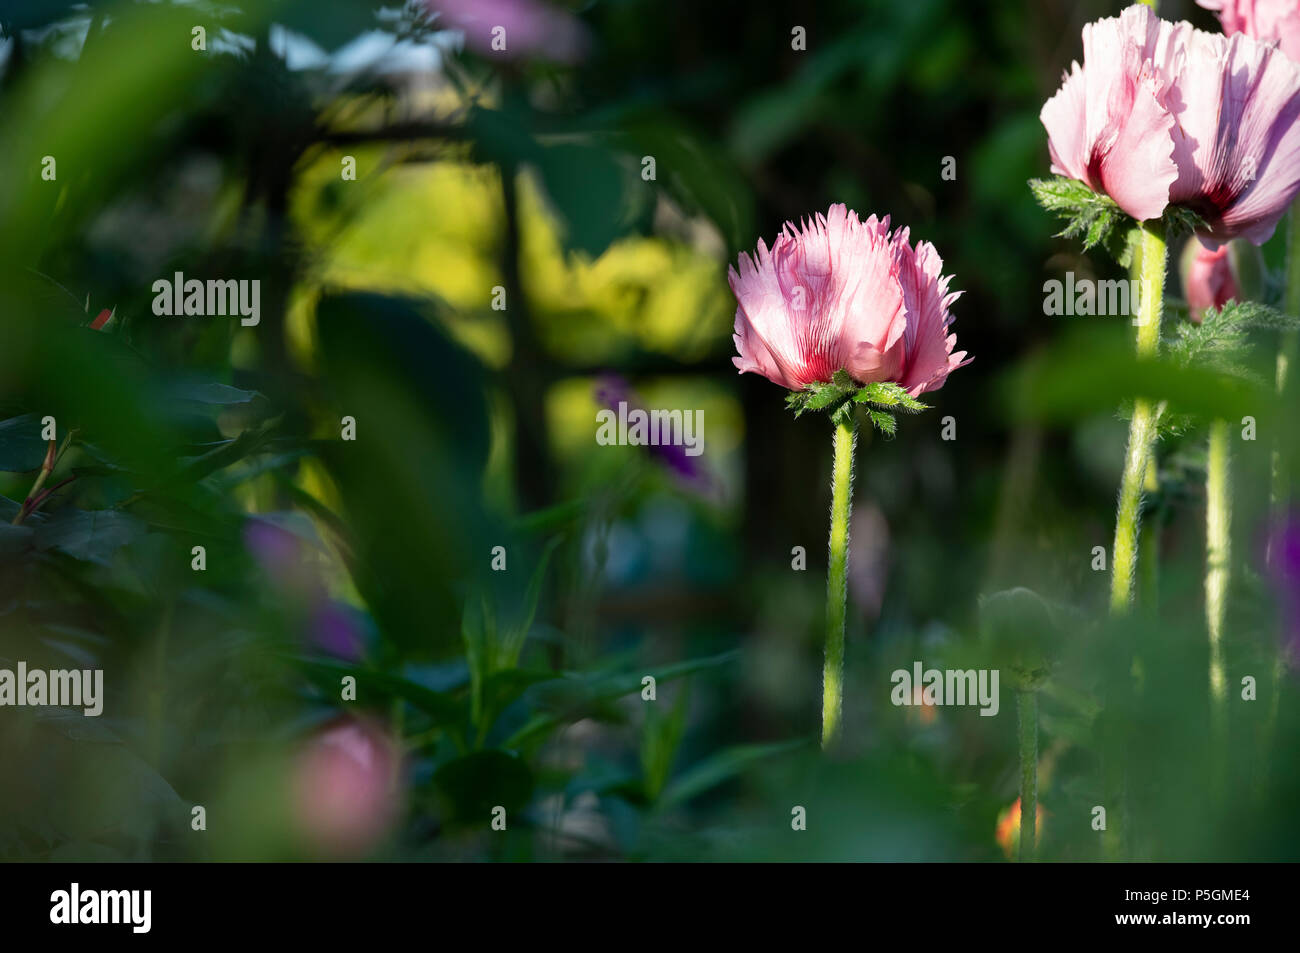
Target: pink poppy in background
527, 28
1163, 113
1272, 21
1208, 279
344, 791
839, 293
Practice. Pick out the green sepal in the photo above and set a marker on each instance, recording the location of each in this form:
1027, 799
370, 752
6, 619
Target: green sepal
1220, 343
1097, 220
841, 393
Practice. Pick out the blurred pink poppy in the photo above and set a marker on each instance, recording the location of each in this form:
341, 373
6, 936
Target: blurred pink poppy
345, 788
1208, 279
1271, 21
514, 28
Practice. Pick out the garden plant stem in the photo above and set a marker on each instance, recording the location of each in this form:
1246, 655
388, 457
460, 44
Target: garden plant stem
1142, 428
1027, 721
846, 436
1218, 554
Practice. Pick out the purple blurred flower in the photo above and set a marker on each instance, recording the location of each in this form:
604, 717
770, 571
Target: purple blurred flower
519, 28
328, 626
344, 788
612, 390
279, 553
1284, 561
336, 630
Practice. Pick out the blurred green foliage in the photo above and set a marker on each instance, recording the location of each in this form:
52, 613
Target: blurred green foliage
372, 559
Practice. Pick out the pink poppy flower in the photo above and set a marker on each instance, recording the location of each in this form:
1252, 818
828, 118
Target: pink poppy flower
839, 293
345, 792
1208, 279
1162, 113
512, 28
1272, 21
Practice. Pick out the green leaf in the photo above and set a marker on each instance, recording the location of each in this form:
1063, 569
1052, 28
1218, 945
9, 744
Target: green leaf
721, 767
21, 446
208, 392
411, 481
15, 540
660, 740
889, 394
1097, 220
1087, 214
1221, 344
552, 517
882, 421
475, 623
822, 396
572, 697
92, 535
1180, 220
376, 685
476, 783
513, 637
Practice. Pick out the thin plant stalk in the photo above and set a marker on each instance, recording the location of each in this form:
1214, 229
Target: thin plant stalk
846, 437
1027, 724
1142, 428
1218, 557
1149, 543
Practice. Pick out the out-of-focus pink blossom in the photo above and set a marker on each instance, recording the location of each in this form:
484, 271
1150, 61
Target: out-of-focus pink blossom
345, 792
1271, 21
1208, 279
839, 293
1162, 113
515, 28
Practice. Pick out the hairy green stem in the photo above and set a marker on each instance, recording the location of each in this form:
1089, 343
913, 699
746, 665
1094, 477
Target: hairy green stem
1218, 554
1142, 428
837, 572
1149, 539
1027, 724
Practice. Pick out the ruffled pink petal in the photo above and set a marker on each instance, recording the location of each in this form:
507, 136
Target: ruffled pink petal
1169, 113
764, 333
928, 345
1128, 126
1137, 167
838, 293
1250, 171
1064, 116
1276, 22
